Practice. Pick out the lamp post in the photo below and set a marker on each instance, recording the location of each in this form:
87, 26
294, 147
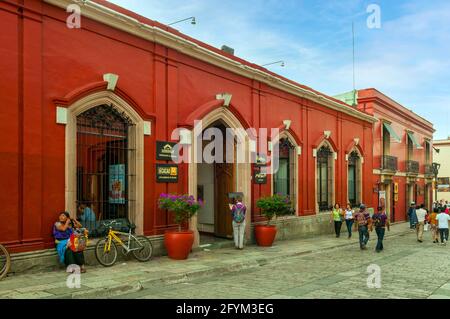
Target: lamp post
436, 167
281, 63
193, 21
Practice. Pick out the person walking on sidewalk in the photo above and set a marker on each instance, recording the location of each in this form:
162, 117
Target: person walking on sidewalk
380, 222
443, 220
337, 217
412, 216
421, 214
434, 225
363, 223
238, 211
349, 220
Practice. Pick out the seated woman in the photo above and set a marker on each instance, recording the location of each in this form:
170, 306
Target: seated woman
62, 230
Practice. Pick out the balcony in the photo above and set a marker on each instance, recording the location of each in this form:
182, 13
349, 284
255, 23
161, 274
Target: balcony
389, 163
429, 172
412, 167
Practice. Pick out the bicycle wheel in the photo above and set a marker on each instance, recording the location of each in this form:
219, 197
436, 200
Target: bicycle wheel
105, 258
5, 262
146, 248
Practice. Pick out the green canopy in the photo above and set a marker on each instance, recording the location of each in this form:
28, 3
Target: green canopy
392, 132
413, 139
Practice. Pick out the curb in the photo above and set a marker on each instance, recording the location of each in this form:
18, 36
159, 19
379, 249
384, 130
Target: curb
189, 276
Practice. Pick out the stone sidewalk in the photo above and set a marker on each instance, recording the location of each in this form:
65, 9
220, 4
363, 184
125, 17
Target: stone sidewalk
129, 277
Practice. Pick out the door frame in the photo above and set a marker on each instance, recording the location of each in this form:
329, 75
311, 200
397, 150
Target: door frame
243, 176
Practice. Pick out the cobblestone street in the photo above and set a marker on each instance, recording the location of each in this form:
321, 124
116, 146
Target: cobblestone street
321, 267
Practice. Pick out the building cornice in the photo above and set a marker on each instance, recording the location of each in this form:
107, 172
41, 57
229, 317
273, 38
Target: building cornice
400, 111
120, 21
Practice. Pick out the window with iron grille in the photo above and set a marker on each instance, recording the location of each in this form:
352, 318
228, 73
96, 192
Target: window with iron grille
283, 178
353, 178
103, 171
324, 178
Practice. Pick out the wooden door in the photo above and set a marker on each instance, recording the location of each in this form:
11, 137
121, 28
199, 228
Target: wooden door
224, 184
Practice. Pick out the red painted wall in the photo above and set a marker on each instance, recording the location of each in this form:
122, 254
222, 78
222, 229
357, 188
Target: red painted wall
403, 120
42, 60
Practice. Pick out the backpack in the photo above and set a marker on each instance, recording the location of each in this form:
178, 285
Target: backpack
361, 219
239, 214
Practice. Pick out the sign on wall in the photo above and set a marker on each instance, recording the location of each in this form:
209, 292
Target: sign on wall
166, 173
164, 150
117, 184
259, 178
443, 184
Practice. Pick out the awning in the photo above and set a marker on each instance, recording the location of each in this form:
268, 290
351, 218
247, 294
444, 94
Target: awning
392, 132
413, 139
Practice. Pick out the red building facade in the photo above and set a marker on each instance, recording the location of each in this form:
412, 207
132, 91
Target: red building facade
83, 110
403, 154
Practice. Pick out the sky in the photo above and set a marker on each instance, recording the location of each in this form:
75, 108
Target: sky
406, 58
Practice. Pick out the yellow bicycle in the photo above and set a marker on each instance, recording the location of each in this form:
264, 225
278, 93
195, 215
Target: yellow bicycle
5, 261
106, 248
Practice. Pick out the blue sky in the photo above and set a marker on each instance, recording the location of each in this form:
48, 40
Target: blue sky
408, 58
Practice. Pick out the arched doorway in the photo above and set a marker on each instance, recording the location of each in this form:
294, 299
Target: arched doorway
241, 171
216, 178
104, 173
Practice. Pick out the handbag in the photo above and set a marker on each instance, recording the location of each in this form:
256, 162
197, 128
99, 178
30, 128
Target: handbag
426, 227
78, 242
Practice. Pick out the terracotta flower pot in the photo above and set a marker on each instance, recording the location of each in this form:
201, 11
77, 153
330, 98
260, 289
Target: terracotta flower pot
178, 244
265, 235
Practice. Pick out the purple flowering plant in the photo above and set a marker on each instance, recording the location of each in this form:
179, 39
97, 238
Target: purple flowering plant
274, 206
183, 206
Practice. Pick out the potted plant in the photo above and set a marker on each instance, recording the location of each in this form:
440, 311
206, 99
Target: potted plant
271, 207
179, 243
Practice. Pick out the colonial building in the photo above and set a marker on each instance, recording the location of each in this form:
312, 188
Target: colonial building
402, 152
88, 113
441, 153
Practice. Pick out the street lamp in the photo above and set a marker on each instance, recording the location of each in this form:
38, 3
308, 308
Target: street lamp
436, 167
281, 63
193, 21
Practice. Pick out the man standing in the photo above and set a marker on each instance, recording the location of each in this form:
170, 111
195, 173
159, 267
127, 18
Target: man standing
412, 216
443, 220
363, 223
421, 213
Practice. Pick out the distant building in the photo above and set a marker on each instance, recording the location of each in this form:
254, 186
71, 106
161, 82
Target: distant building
441, 155
402, 152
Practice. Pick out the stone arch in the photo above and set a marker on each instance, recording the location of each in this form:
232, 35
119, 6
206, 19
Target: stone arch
243, 170
135, 161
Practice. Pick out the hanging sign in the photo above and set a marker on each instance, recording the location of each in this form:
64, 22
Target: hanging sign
382, 196
164, 150
166, 173
259, 178
117, 184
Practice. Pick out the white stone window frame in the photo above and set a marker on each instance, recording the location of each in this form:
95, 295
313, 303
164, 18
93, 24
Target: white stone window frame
135, 160
332, 198
294, 154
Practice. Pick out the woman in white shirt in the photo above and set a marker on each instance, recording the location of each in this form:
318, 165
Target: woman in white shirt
349, 219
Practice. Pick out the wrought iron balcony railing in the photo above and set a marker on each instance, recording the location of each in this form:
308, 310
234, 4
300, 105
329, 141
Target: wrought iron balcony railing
429, 170
389, 163
412, 167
